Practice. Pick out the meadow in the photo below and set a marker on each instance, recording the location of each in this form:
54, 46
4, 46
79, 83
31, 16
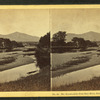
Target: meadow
68, 62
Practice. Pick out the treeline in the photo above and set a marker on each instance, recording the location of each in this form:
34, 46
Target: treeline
59, 44
81, 43
8, 44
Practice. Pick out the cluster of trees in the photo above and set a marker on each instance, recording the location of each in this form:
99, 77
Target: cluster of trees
59, 42
43, 52
81, 43
8, 44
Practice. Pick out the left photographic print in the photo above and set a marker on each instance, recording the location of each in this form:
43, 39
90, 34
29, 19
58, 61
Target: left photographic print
24, 54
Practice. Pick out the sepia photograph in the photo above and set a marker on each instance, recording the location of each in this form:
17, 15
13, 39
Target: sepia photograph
49, 51
24, 50
75, 44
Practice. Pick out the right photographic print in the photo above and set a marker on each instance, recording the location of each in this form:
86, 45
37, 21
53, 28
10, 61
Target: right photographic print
75, 49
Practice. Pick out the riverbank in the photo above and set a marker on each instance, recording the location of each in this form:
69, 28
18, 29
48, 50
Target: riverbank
37, 82
68, 62
27, 79
15, 59
93, 84
65, 75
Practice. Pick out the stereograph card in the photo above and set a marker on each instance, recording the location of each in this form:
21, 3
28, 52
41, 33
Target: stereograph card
49, 50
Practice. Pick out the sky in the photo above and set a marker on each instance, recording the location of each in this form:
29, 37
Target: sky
33, 22
75, 20
38, 22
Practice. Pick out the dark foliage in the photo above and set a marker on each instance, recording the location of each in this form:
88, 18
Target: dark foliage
91, 44
19, 44
80, 43
43, 51
83, 44
8, 44
43, 57
58, 44
59, 39
5, 44
45, 41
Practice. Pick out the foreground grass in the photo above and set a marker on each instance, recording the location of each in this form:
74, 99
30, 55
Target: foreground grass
93, 84
37, 82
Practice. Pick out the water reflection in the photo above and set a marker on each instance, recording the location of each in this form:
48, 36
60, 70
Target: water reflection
76, 76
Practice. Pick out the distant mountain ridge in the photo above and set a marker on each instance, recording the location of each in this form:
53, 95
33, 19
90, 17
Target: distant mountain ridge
91, 35
21, 37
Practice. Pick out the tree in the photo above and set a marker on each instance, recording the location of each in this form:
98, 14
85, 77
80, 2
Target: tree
45, 40
80, 43
91, 44
1, 40
42, 53
7, 44
59, 38
14, 44
70, 44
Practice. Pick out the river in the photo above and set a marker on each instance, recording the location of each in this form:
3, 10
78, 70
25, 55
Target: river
18, 72
76, 76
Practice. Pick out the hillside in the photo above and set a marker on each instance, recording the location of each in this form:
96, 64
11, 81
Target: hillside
92, 36
20, 37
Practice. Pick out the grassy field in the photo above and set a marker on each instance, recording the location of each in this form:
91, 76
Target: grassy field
59, 59
68, 62
37, 82
14, 59
74, 61
93, 84
19, 57
6, 60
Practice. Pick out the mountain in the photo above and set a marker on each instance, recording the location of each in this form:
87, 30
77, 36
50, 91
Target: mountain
20, 37
92, 36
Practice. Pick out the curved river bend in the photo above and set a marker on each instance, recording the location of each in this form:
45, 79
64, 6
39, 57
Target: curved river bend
18, 72
76, 76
